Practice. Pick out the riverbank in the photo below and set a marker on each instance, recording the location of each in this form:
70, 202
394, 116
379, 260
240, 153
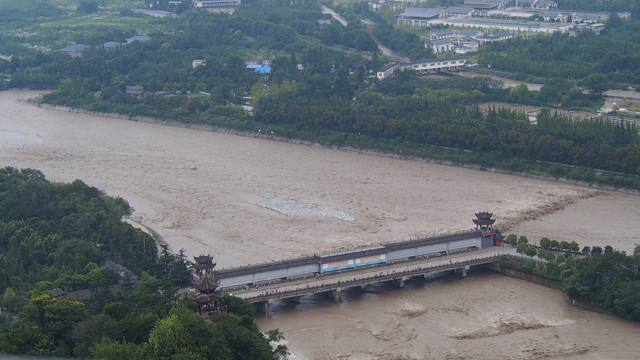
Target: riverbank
552, 284
347, 148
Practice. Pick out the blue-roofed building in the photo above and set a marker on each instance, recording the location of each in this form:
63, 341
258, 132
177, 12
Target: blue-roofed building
74, 50
260, 68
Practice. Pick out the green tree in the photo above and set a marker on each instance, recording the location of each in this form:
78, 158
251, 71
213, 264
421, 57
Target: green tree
170, 338
11, 300
276, 336
88, 6
153, 295
627, 299
108, 349
573, 246
117, 310
545, 242
597, 84
519, 94
523, 240
52, 320
91, 330
531, 251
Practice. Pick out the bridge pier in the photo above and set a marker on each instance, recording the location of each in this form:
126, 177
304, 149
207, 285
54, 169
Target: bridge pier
400, 282
335, 294
267, 307
462, 271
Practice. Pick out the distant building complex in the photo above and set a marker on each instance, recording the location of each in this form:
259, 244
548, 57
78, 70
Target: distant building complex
424, 66
520, 16
222, 6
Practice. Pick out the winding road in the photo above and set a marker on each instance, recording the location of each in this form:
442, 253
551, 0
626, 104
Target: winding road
385, 50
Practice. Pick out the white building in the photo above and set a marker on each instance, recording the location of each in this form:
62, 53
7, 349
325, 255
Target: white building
424, 66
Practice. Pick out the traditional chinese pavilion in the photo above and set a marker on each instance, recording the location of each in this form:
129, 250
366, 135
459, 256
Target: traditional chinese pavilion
206, 295
203, 265
484, 222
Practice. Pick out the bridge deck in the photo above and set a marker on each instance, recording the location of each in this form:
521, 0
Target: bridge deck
400, 271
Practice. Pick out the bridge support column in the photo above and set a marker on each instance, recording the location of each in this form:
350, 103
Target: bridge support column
267, 308
335, 294
462, 271
400, 282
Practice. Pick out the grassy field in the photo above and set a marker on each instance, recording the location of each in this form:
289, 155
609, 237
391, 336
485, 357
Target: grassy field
52, 24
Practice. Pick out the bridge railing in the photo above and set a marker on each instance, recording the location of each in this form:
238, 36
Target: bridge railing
384, 275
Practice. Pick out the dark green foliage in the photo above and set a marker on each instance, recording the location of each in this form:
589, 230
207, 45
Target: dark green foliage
352, 35
45, 326
615, 54
610, 279
53, 231
406, 43
88, 6
49, 237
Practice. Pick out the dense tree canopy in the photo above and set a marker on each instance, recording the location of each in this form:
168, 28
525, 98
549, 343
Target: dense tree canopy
60, 235
609, 279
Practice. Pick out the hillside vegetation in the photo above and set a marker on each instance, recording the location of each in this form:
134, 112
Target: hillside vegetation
57, 239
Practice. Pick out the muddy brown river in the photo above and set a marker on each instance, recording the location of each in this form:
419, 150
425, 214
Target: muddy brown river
205, 192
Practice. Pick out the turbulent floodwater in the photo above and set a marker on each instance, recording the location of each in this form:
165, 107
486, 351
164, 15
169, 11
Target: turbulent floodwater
206, 192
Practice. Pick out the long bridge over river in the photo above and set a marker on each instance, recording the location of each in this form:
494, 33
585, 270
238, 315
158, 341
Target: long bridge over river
396, 262
263, 295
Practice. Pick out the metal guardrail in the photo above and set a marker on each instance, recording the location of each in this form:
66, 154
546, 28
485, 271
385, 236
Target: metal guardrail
372, 280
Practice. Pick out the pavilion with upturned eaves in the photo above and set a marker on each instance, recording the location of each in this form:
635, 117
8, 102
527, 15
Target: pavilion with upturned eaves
207, 295
203, 265
484, 223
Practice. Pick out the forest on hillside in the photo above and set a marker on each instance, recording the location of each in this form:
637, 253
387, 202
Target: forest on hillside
58, 239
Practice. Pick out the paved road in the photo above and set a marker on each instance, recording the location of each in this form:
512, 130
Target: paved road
385, 50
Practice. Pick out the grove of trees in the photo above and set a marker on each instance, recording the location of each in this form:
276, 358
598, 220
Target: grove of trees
58, 237
609, 279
